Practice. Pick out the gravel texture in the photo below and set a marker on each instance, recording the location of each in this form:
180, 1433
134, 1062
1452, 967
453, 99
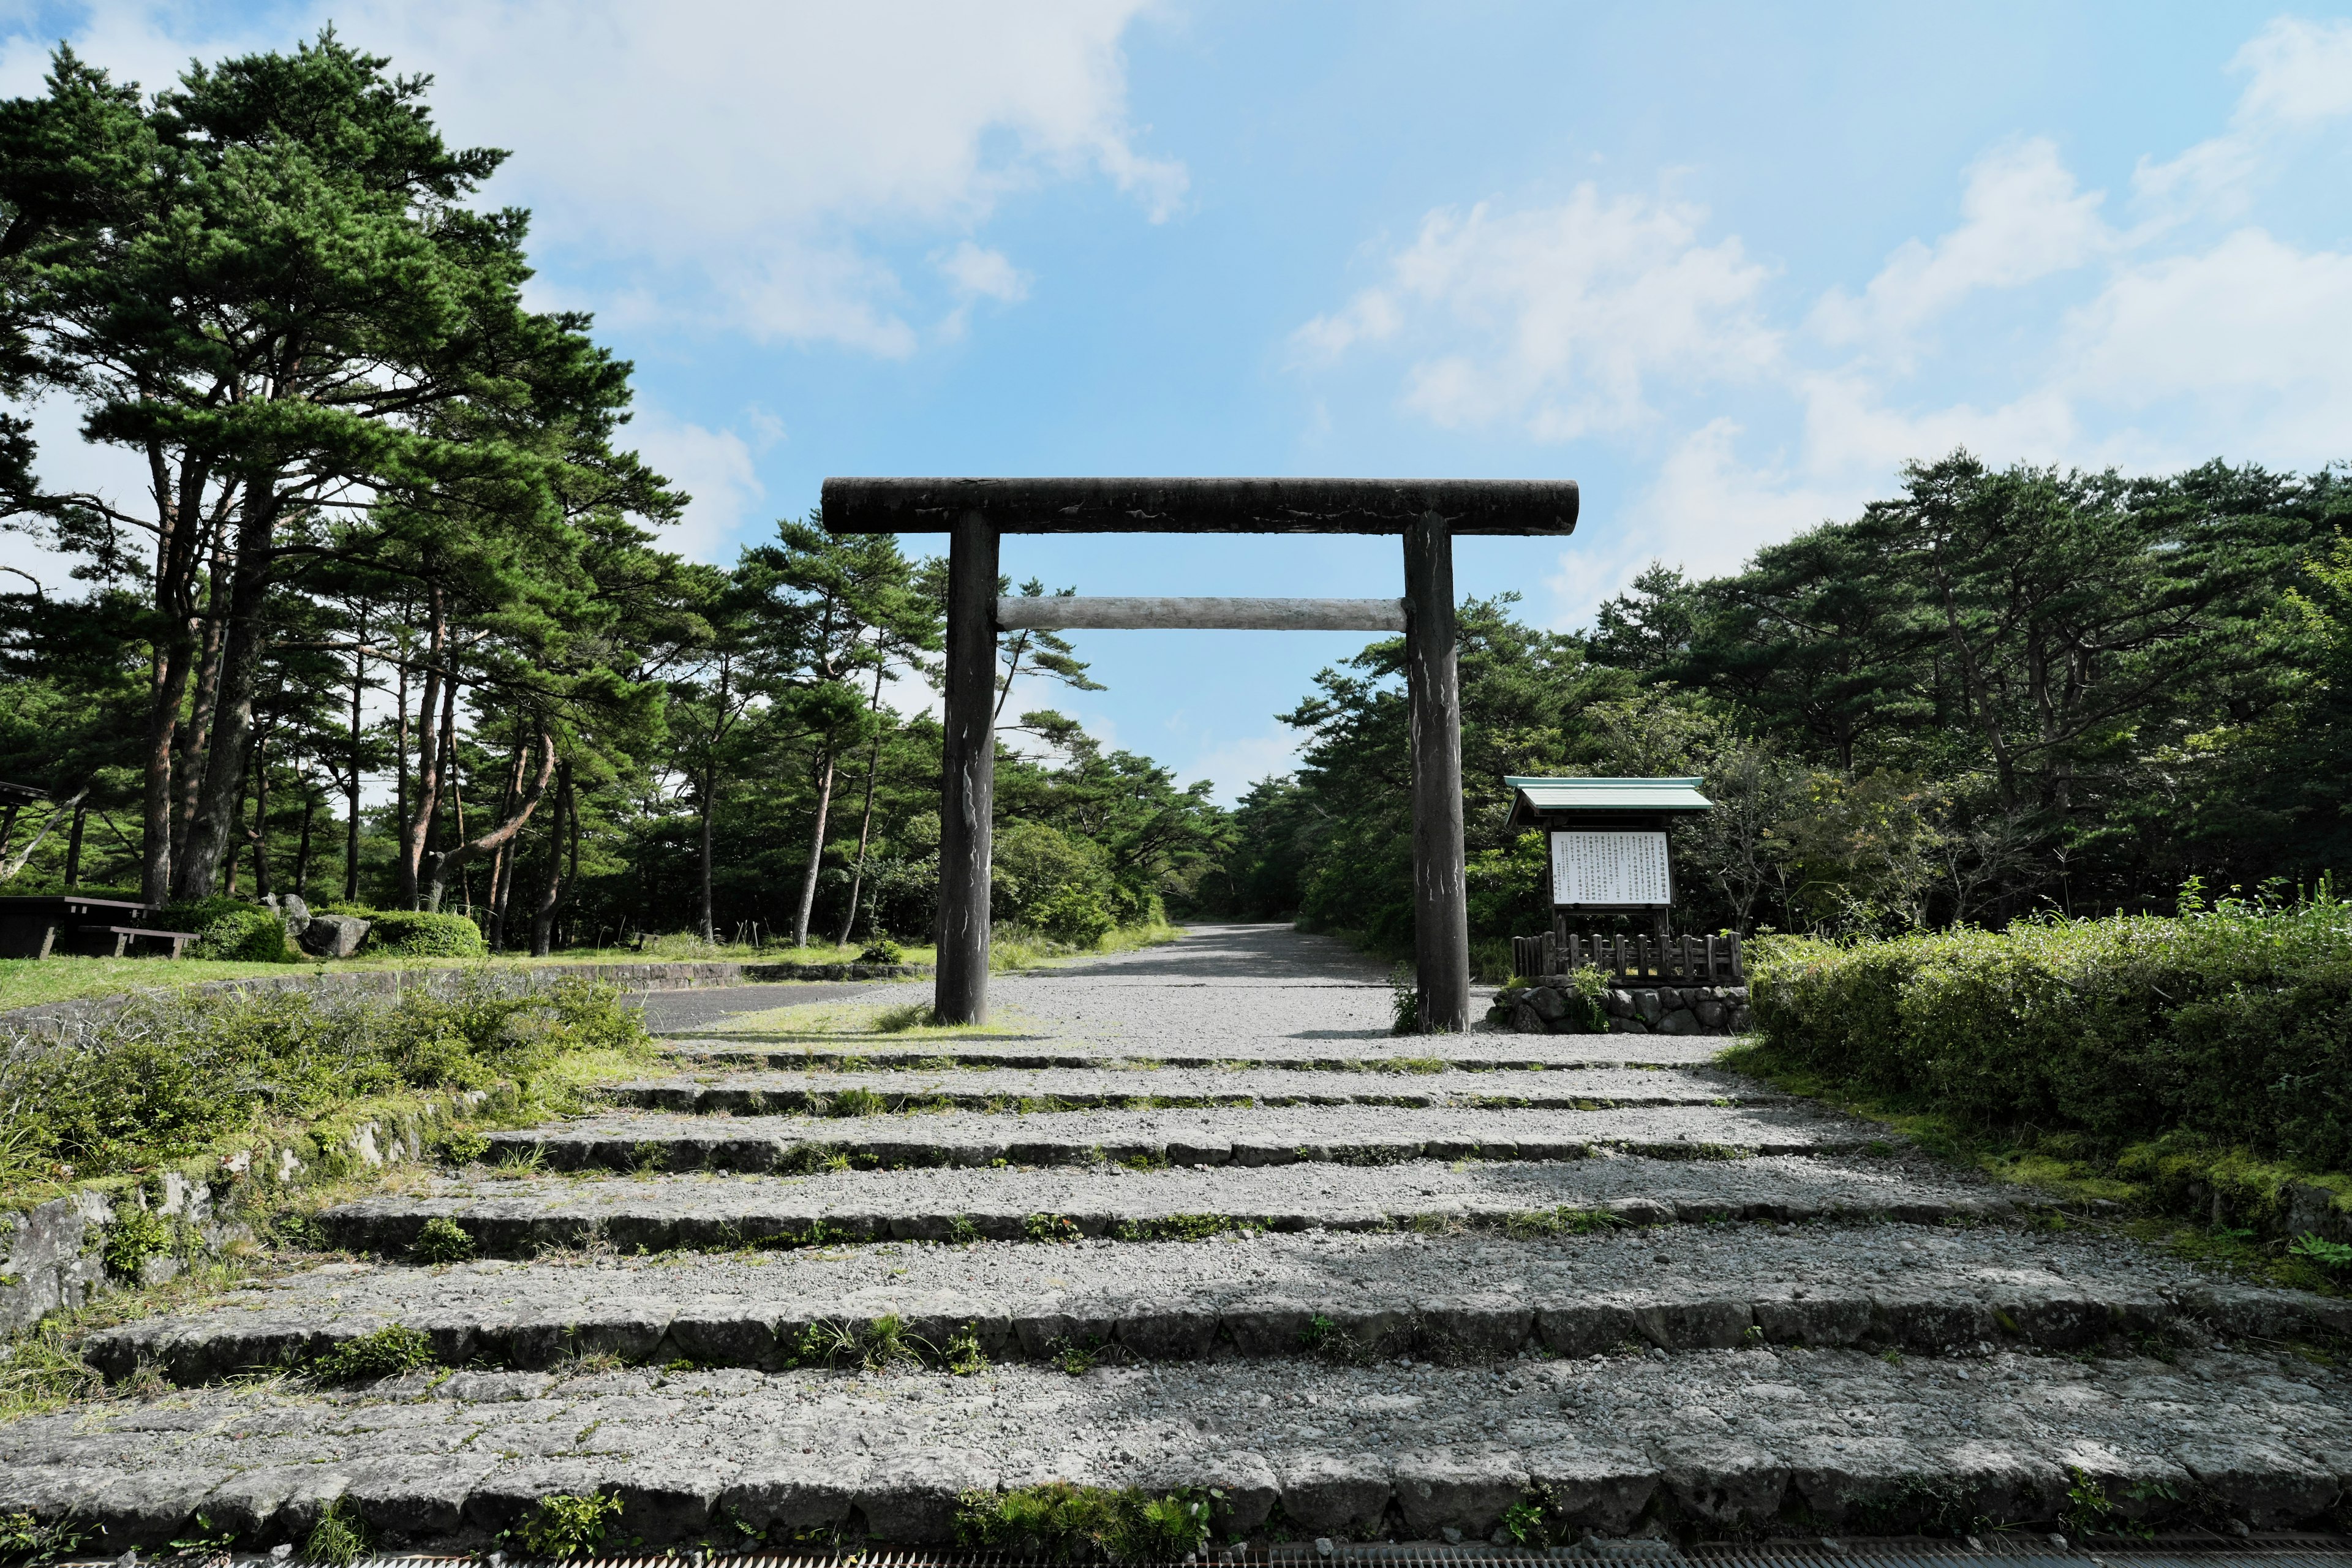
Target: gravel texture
1210, 1136
517, 1216
1459, 1297
1093, 1087
1723, 1440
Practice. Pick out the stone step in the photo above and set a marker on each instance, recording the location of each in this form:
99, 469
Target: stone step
1473, 1052
1343, 1134
519, 1216
1136, 1089
1741, 1443
1453, 1298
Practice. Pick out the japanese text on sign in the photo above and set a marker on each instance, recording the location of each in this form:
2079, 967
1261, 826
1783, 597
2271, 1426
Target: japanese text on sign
1610, 869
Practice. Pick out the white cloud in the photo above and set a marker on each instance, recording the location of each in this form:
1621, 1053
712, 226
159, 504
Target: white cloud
1555, 319
2251, 333
977, 274
740, 155
2299, 77
2171, 346
2020, 219
714, 467
1231, 766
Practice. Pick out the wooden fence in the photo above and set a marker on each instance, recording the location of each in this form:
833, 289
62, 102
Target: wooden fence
1633, 960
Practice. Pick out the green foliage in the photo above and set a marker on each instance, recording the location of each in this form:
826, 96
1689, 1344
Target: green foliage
2232, 1024
387, 1353
854, 1102
1051, 882
882, 952
25, 1538
172, 1072
132, 1236
2332, 1258
566, 1525
231, 928
408, 934
339, 1539
442, 1240
1404, 1000
1063, 1522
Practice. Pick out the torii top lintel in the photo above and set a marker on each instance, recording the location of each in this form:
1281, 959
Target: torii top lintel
1526, 507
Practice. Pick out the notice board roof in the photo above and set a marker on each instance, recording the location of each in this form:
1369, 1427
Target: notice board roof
1546, 797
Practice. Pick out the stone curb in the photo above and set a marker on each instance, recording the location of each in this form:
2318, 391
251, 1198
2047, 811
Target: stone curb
719, 1148
684, 1097
1716, 1485
702, 1051
1476, 1328
389, 1226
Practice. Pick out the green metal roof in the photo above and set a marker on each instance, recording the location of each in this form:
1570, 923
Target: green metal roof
1609, 794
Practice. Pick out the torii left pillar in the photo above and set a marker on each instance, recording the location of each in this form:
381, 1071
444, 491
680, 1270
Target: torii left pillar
968, 785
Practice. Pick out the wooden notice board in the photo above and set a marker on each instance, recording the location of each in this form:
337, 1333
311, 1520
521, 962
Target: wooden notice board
1610, 870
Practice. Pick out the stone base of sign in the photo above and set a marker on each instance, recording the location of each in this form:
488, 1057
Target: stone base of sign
1552, 1006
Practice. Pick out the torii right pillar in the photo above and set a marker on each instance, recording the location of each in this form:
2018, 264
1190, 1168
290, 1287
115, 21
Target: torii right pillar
1441, 902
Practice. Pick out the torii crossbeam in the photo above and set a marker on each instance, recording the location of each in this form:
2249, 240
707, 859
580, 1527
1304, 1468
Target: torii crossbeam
1428, 514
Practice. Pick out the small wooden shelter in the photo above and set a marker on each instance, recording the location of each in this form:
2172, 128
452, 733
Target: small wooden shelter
1610, 856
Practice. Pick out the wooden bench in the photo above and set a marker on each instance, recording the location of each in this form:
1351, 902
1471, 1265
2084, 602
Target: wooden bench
38, 926
110, 941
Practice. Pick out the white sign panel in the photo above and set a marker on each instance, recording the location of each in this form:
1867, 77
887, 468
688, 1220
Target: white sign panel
1610, 869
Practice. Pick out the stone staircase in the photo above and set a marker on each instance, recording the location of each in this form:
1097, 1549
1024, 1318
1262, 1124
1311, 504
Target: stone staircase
1192, 1219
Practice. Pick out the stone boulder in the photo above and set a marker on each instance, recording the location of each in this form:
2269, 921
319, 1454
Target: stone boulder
333, 936
292, 910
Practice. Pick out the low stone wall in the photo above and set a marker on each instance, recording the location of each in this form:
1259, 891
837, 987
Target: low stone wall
1551, 1006
52, 1255
61, 1020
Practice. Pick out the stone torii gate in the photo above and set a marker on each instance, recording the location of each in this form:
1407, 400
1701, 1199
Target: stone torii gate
1428, 514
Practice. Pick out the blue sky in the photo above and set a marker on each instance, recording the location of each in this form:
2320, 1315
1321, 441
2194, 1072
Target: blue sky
1727, 265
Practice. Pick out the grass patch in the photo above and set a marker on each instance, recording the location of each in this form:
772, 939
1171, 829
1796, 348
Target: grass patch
1060, 1523
387, 1353
565, 1525
173, 1074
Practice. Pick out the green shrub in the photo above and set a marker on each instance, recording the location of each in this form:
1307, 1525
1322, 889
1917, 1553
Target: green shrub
882, 952
2232, 1024
443, 1240
172, 1072
132, 1236
387, 1353
411, 933
567, 1526
232, 930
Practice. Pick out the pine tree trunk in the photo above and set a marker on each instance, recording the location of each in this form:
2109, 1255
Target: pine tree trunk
195, 734
865, 823
73, 846
416, 827
260, 834
551, 893
352, 827
232, 727
816, 854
